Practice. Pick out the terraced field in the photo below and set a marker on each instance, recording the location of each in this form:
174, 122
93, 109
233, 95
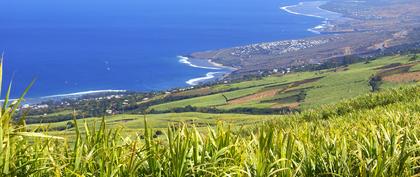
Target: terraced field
303, 90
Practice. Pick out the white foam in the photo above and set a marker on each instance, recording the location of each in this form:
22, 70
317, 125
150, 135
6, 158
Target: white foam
198, 80
287, 9
185, 60
84, 93
318, 28
313, 30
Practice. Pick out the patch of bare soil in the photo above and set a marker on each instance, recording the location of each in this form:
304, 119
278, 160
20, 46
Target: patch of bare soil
403, 77
270, 93
255, 97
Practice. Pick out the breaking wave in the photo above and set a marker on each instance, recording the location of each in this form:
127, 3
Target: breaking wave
199, 80
185, 60
317, 12
84, 93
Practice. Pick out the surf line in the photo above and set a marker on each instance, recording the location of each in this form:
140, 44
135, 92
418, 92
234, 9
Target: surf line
85, 93
185, 60
196, 81
324, 24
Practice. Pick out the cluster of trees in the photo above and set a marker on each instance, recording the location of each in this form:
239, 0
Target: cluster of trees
86, 107
375, 82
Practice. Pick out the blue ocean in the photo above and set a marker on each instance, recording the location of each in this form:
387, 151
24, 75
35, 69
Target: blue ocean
72, 46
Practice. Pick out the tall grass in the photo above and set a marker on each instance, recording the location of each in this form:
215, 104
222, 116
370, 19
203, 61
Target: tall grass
373, 135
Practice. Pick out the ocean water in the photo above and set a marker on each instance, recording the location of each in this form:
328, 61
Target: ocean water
74, 46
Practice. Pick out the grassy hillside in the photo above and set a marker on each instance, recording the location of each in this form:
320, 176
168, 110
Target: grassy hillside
242, 89
133, 124
303, 90
372, 135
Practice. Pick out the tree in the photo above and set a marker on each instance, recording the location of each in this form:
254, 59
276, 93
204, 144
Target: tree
69, 124
413, 57
374, 83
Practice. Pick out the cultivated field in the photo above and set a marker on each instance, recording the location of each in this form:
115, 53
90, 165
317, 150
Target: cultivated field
303, 89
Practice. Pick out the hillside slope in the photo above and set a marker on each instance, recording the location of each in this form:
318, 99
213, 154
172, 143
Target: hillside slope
371, 135
302, 90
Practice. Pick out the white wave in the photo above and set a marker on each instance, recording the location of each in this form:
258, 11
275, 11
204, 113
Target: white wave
185, 60
84, 93
198, 80
313, 30
10, 100
287, 9
317, 29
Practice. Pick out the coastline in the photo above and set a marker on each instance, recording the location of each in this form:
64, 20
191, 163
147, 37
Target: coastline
317, 12
76, 94
307, 8
199, 80
37, 100
186, 60
223, 71
221, 65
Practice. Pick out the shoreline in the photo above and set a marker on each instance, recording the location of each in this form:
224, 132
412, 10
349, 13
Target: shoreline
327, 19
199, 80
37, 100
308, 8
186, 60
223, 72
192, 82
84, 93
221, 65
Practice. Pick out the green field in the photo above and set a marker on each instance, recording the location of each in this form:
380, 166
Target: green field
207, 101
132, 124
248, 88
339, 83
416, 67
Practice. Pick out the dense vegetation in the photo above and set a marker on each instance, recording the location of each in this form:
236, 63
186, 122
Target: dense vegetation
372, 135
